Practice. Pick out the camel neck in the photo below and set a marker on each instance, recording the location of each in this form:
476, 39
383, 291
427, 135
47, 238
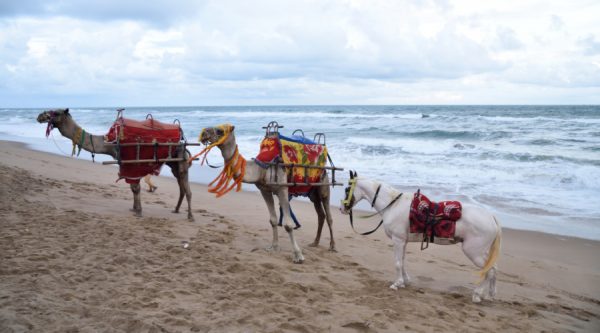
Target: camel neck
87, 141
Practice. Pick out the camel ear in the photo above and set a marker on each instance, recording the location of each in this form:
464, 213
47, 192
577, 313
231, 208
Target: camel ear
67, 111
232, 128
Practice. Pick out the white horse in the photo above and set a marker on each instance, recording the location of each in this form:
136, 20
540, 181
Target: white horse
478, 229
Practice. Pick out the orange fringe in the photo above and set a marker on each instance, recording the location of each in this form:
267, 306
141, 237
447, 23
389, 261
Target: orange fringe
222, 185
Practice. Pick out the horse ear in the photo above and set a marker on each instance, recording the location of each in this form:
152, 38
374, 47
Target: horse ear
355, 175
351, 174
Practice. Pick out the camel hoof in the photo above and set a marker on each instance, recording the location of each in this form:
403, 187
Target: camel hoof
137, 213
191, 218
332, 249
313, 244
175, 211
272, 248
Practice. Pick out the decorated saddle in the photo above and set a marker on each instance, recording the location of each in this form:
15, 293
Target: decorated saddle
148, 131
436, 221
294, 150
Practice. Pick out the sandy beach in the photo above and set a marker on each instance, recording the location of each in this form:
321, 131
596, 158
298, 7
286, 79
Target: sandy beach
73, 258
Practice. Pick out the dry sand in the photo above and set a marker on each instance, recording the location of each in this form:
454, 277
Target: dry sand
73, 258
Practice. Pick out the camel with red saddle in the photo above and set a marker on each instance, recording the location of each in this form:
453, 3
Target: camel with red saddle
124, 154
411, 217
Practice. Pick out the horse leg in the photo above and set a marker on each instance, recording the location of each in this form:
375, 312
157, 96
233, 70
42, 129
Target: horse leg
491, 277
404, 273
320, 216
137, 203
399, 249
325, 203
268, 196
476, 252
282, 194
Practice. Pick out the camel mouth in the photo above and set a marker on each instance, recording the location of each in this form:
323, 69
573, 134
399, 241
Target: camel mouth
43, 117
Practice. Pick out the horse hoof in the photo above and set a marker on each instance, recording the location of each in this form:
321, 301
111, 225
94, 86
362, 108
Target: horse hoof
299, 260
476, 298
396, 286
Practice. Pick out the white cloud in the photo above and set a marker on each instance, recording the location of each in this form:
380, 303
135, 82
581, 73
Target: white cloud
298, 52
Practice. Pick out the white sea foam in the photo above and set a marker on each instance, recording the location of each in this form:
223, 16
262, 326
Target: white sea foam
526, 163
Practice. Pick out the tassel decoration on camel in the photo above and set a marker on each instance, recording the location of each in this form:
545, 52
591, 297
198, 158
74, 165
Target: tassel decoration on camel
235, 165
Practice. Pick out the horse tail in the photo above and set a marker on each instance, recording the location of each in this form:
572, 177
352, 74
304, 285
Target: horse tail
494, 252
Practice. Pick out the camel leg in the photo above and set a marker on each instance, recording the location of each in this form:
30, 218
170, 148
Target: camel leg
399, 248
176, 173
268, 196
316, 200
282, 194
325, 202
137, 203
188, 193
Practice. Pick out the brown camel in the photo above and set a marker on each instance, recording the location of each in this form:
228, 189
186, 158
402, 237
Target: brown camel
61, 119
254, 174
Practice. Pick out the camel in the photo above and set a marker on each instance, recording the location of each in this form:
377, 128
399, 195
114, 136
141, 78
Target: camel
223, 137
62, 119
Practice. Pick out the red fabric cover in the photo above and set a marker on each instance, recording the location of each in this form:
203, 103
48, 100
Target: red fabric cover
269, 150
147, 131
446, 215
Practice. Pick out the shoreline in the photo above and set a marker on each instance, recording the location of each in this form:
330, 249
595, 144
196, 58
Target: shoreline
74, 256
206, 175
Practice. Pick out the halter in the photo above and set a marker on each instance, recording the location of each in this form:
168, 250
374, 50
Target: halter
50, 126
222, 185
348, 201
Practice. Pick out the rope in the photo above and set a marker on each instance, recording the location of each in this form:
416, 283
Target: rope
236, 164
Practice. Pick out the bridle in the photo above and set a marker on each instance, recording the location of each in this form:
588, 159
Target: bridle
349, 202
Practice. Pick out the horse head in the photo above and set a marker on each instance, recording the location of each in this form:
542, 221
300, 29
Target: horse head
352, 196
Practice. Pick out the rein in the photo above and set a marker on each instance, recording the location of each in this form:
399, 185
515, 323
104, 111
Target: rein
348, 201
379, 212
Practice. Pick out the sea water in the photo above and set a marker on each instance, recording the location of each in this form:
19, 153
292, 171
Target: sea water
536, 167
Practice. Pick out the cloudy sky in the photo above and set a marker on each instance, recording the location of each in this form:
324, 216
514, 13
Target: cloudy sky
176, 52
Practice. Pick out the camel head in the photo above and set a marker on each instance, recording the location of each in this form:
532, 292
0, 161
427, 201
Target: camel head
53, 118
216, 135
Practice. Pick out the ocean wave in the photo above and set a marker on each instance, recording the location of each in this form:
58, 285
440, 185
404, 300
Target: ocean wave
304, 115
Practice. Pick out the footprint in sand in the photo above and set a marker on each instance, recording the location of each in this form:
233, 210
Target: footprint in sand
425, 278
360, 326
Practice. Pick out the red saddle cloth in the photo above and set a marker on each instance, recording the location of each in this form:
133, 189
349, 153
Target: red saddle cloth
437, 219
147, 131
